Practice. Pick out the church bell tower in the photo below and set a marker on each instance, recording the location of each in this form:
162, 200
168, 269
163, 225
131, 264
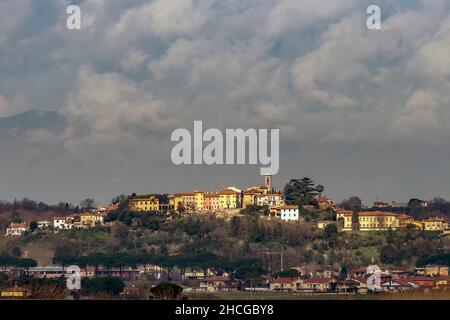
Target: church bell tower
268, 182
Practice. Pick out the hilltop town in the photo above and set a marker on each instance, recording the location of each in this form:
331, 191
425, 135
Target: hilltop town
231, 241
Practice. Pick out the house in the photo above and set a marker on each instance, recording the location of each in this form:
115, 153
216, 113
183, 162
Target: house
317, 285
289, 213
44, 224
390, 284
419, 281
229, 199
16, 229
325, 203
370, 220
347, 286
250, 197
211, 202
63, 223
442, 282
270, 199
90, 220
361, 284
184, 200
217, 283
322, 224
285, 284
380, 204
432, 270
15, 293
359, 272
435, 224
47, 272
326, 273
144, 203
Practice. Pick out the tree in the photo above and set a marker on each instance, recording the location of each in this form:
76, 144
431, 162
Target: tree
389, 254
255, 210
112, 286
16, 252
291, 273
355, 219
302, 191
16, 217
33, 226
415, 208
352, 203
119, 232
166, 291
330, 230
88, 204
331, 234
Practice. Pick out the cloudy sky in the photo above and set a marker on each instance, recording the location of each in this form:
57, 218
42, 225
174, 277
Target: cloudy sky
363, 112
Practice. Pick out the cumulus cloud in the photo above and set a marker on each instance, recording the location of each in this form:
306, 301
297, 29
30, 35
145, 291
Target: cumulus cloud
142, 68
113, 110
163, 18
133, 60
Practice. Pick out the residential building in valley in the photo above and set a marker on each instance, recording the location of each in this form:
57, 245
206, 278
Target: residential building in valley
16, 229
370, 220
144, 203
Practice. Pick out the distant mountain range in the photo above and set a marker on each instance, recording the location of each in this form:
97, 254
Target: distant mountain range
17, 125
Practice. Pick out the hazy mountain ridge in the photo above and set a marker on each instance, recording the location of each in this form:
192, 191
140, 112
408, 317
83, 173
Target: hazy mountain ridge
19, 124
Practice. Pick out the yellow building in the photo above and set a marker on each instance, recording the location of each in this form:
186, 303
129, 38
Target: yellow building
229, 199
88, 220
199, 200
371, 221
15, 293
144, 203
250, 197
185, 200
435, 224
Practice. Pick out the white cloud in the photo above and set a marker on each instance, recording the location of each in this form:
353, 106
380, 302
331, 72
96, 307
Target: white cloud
133, 60
163, 18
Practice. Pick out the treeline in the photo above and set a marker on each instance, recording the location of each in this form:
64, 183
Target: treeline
442, 259
203, 261
32, 205
10, 261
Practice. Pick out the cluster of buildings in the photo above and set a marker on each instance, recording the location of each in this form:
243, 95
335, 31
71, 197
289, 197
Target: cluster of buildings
331, 281
85, 220
383, 221
200, 201
308, 281
229, 199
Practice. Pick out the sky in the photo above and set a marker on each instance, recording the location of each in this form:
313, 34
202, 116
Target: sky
362, 112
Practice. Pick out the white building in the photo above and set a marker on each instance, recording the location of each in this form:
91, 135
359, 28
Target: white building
270, 199
44, 224
289, 213
62, 223
16, 229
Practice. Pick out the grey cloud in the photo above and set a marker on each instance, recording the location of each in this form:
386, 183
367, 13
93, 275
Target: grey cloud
140, 68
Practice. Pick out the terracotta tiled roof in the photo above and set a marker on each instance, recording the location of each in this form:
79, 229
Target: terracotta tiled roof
288, 207
318, 280
372, 213
217, 278
284, 280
